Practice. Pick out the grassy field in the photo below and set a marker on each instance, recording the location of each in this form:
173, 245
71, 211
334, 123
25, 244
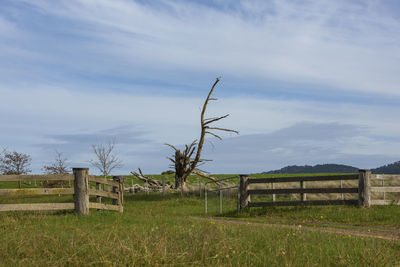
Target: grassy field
173, 231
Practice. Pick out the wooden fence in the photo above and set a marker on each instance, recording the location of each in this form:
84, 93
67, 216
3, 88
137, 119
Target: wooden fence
363, 190
384, 189
81, 192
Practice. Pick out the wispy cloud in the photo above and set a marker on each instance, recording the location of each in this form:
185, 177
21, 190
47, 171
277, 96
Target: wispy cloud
346, 45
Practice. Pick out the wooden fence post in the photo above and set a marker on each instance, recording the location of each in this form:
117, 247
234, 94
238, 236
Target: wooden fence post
120, 191
98, 198
364, 188
121, 195
273, 195
303, 196
244, 197
341, 186
81, 190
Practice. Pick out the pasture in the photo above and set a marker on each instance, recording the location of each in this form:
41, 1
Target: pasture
173, 231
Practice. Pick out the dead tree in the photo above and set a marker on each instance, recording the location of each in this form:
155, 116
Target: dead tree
183, 161
59, 165
105, 160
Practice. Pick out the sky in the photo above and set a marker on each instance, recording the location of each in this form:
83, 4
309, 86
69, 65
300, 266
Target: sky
304, 81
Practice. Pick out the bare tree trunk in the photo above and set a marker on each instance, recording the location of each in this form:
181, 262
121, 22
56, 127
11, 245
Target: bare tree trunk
183, 161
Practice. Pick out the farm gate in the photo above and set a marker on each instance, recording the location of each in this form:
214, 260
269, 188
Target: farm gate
363, 191
84, 186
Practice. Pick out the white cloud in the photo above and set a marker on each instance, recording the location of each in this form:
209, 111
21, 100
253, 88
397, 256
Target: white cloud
337, 43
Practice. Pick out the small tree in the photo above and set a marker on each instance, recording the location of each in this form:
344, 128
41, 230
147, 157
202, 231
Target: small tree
59, 165
14, 163
105, 160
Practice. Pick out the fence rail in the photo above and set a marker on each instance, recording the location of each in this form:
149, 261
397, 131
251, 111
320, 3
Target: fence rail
364, 190
31, 178
302, 179
305, 203
387, 189
81, 192
301, 191
385, 202
36, 191
37, 207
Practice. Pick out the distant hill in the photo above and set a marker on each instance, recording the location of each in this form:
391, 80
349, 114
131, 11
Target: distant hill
320, 168
393, 168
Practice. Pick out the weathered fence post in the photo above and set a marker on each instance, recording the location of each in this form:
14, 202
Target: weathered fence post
273, 195
303, 196
364, 188
244, 197
120, 191
121, 195
341, 186
81, 190
98, 187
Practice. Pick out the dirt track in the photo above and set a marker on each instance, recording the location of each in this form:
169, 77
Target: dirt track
387, 233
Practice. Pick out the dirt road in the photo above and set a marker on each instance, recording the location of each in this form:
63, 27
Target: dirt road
387, 233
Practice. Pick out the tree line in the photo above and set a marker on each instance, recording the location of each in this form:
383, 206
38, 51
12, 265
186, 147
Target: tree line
13, 162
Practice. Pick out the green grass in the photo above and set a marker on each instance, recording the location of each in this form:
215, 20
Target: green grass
346, 215
193, 179
156, 230
174, 231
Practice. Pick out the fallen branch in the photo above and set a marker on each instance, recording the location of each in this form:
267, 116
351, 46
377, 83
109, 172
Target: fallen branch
199, 173
156, 183
148, 180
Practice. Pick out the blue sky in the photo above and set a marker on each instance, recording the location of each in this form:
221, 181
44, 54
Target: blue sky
305, 82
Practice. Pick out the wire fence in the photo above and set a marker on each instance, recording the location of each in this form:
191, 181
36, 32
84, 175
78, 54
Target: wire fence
221, 195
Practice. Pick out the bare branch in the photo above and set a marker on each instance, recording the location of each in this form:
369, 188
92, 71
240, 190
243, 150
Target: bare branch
203, 130
222, 129
208, 121
59, 165
171, 146
146, 179
213, 134
198, 172
171, 159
